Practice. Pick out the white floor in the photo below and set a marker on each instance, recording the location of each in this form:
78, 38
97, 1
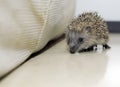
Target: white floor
56, 67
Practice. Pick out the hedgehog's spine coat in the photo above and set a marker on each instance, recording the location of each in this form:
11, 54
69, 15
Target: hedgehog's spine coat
99, 29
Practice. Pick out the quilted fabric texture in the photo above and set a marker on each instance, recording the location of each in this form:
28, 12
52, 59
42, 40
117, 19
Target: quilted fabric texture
26, 26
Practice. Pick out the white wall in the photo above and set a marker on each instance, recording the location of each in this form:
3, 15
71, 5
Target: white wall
108, 9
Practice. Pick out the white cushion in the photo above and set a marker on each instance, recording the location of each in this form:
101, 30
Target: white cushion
26, 26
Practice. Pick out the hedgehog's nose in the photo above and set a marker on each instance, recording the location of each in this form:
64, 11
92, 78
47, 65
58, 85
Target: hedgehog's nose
72, 49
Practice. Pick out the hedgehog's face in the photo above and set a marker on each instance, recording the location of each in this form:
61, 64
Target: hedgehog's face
75, 40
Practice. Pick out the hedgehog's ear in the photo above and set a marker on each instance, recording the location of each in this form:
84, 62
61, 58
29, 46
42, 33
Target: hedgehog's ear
88, 29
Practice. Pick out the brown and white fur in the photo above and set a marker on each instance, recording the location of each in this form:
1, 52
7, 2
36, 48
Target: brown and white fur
86, 31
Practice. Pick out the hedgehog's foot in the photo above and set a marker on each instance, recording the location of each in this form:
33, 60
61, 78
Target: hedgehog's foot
95, 47
83, 50
91, 48
106, 46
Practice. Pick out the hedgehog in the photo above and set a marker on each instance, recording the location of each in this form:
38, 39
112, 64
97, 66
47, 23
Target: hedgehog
87, 31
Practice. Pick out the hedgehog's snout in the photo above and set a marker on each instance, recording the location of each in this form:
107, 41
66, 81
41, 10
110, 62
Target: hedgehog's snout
74, 40
73, 48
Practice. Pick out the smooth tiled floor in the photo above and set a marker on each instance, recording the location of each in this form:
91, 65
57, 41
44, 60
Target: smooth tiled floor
56, 67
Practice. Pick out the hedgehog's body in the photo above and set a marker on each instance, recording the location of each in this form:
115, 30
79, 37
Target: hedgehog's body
86, 31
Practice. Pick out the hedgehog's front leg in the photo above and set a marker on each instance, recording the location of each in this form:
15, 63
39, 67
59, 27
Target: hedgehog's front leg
91, 48
86, 50
106, 46
95, 47
83, 50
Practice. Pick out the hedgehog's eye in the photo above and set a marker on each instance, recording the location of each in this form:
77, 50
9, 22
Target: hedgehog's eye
88, 28
80, 40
